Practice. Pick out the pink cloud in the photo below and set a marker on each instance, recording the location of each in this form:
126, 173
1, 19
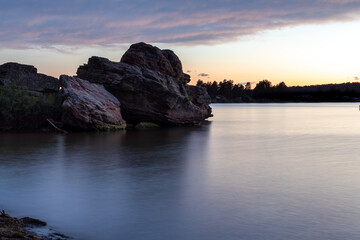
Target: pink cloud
81, 23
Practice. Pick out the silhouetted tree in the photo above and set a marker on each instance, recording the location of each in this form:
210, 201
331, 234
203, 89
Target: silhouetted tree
281, 85
263, 89
200, 83
237, 91
264, 84
212, 90
225, 88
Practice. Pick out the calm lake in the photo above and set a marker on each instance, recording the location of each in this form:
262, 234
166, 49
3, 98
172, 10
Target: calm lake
255, 171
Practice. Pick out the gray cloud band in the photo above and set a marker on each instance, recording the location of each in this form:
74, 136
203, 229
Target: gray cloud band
83, 23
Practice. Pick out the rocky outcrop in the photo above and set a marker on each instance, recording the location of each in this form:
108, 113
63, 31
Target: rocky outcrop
26, 77
163, 61
150, 85
27, 98
88, 106
148, 82
16, 229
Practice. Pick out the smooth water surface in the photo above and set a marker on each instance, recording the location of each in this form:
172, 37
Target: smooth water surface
256, 171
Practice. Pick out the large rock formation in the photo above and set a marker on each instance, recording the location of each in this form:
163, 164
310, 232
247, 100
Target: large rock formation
88, 106
150, 85
26, 77
27, 98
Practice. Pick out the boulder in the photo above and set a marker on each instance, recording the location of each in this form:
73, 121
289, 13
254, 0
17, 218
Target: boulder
150, 57
26, 77
88, 106
149, 83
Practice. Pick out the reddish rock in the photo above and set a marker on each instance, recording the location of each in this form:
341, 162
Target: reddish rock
87, 105
146, 95
150, 57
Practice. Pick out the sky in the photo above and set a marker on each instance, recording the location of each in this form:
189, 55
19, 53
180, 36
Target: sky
300, 42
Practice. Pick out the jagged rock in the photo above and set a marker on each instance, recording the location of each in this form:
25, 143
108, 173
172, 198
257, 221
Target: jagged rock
26, 77
162, 61
88, 106
147, 84
200, 97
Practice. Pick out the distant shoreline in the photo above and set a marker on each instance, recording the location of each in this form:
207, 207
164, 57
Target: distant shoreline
227, 91
225, 102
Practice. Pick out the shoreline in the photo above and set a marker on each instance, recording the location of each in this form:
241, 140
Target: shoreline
26, 228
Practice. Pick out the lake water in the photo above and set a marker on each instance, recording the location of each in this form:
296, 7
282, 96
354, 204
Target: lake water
256, 171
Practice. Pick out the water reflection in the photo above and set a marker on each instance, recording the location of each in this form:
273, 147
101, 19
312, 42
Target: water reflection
111, 182
258, 171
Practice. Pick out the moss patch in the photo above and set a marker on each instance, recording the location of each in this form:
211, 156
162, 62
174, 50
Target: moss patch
146, 125
22, 109
112, 128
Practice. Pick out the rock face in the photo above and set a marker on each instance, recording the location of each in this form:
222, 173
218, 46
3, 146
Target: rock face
88, 106
150, 57
148, 82
26, 77
150, 85
27, 98
200, 98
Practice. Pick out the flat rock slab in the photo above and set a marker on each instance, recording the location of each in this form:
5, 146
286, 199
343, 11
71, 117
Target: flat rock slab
88, 106
26, 77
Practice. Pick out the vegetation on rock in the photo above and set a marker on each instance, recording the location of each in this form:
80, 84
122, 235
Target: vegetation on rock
22, 109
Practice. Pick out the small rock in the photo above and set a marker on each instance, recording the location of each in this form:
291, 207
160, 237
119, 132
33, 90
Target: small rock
33, 222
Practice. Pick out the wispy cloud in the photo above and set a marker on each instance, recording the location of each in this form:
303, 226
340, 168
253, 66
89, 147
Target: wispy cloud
203, 75
27, 23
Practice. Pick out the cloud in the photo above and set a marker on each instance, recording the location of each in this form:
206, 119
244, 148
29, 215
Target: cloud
29, 23
244, 83
203, 75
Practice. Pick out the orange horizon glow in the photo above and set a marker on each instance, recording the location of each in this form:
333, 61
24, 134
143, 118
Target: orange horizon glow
298, 56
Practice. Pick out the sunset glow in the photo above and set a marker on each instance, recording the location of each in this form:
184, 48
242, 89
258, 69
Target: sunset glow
300, 43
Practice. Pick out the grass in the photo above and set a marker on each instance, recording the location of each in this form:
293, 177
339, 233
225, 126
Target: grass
112, 128
3, 213
188, 99
20, 108
146, 125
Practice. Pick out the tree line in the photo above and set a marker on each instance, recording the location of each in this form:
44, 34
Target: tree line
265, 91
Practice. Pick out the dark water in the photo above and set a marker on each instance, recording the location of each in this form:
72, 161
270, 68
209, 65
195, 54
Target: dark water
258, 171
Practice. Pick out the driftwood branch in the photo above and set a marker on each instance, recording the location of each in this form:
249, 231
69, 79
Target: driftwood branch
57, 128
